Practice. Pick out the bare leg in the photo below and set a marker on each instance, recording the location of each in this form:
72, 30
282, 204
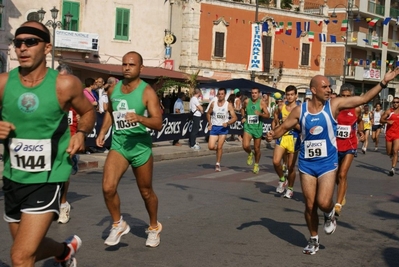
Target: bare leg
114, 167
342, 177
219, 151
30, 244
246, 142
309, 189
291, 160
257, 142
277, 156
144, 182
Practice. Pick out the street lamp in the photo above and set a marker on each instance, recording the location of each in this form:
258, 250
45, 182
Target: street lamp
54, 24
348, 17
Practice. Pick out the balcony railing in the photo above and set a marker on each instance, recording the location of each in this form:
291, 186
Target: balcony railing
376, 8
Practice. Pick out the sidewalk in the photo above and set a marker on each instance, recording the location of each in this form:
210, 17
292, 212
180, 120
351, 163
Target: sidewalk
164, 151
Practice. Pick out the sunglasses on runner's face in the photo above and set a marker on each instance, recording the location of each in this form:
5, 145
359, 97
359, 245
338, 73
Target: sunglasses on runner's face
396, 102
29, 42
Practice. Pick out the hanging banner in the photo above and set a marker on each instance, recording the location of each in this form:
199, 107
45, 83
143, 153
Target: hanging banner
256, 54
76, 40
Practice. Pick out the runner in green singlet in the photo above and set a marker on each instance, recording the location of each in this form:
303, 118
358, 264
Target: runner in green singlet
130, 100
253, 109
35, 102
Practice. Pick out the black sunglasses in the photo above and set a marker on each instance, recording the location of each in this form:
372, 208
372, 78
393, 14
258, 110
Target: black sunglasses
29, 42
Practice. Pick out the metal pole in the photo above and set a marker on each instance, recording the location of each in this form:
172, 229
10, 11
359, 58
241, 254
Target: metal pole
53, 49
346, 44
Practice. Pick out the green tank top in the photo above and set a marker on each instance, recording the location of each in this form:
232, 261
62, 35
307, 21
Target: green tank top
253, 123
36, 151
123, 103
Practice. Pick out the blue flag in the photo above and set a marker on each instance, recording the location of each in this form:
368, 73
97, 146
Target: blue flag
333, 39
298, 29
386, 20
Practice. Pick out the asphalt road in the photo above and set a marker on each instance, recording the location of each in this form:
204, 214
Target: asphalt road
231, 218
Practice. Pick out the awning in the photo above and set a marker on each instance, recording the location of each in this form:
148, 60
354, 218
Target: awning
147, 72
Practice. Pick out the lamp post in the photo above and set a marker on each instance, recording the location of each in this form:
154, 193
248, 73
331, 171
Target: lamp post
348, 17
54, 24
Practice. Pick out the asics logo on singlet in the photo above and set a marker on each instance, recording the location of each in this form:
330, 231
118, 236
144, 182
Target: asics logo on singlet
28, 148
350, 114
314, 119
313, 144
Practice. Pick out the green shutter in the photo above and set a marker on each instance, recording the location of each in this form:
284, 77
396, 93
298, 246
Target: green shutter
122, 24
74, 9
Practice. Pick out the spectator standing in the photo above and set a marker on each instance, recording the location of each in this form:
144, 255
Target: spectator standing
197, 110
179, 109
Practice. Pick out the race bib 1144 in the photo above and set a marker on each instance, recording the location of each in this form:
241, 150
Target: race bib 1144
30, 155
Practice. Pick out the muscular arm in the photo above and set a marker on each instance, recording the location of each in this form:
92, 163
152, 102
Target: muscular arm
265, 113
243, 107
209, 112
154, 119
232, 115
288, 124
339, 103
384, 117
70, 94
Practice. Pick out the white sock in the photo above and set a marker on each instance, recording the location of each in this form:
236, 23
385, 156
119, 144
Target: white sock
64, 205
315, 237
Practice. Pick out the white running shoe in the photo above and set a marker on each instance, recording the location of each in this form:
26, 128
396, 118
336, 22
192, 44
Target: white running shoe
117, 231
281, 186
64, 213
312, 247
330, 223
154, 237
217, 168
289, 193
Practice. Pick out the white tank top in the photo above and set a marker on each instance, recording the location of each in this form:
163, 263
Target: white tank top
220, 114
377, 117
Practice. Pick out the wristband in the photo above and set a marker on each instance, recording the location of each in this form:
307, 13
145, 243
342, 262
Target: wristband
383, 86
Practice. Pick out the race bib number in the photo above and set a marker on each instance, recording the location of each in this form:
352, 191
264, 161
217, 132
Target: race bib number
343, 131
120, 122
315, 149
70, 117
221, 116
253, 119
366, 119
30, 155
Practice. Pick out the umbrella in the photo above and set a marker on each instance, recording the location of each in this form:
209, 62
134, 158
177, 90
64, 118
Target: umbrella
243, 84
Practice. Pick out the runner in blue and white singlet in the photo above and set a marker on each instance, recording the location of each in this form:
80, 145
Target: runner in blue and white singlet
318, 153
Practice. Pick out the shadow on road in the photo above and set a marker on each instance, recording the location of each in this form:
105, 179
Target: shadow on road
391, 256
281, 230
269, 189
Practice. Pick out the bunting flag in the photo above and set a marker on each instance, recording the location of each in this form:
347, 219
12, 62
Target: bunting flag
298, 29
397, 44
374, 42
373, 22
356, 62
306, 26
349, 61
335, 21
367, 62
379, 63
288, 31
387, 20
318, 22
344, 25
390, 63
385, 43
343, 37
373, 63
310, 36
265, 28
322, 37
281, 27
366, 41
354, 39
333, 39
326, 21
361, 62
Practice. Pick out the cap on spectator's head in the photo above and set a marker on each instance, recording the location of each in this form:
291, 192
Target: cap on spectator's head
277, 96
236, 91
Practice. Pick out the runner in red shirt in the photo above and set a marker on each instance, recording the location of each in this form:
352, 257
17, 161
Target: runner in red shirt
347, 142
391, 118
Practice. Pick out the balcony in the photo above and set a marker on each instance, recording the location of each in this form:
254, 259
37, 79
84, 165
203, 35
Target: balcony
375, 8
